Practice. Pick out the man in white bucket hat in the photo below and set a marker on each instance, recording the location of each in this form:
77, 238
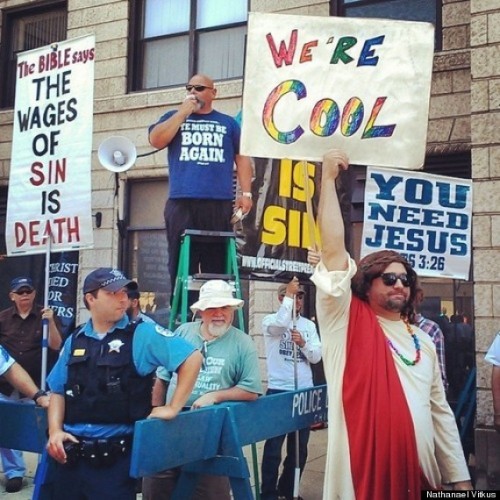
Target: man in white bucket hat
230, 372
215, 294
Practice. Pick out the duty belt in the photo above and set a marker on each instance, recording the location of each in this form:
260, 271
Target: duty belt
97, 452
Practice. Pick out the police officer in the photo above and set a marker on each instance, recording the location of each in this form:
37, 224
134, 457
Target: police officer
101, 385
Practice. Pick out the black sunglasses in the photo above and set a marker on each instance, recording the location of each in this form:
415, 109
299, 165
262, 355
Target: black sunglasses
390, 279
24, 292
198, 88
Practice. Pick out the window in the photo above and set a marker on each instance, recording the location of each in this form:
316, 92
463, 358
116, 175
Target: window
178, 38
147, 249
408, 10
25, 29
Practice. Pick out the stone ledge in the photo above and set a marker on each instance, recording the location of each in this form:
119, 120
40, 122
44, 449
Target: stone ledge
440, 149
448, 61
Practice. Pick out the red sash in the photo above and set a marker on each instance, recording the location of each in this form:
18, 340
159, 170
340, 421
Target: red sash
382, 445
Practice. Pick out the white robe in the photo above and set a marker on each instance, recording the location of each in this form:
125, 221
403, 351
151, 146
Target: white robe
438, 442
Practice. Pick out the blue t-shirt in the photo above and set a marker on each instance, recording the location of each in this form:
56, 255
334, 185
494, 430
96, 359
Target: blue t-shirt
201, 156
153, 346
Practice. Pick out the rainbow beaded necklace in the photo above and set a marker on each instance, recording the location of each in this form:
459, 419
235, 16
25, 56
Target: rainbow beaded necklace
416, 342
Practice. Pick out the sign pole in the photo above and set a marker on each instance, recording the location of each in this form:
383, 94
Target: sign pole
309, 209
296, 480
45, 321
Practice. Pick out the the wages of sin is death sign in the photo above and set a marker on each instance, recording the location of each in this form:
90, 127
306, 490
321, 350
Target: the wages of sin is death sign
49, 186
316, 83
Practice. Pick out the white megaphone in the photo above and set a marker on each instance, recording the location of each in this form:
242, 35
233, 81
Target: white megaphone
117, 153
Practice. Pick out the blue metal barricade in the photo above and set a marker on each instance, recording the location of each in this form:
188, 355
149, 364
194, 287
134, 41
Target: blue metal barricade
23, 426
209, 440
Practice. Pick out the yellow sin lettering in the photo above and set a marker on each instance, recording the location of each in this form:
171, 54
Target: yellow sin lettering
285, 186
274, 225
300, 190
294, 228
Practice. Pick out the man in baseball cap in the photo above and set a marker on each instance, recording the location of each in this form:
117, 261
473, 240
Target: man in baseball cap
107, 278
21, 334
101, 385
21, 282
292, 347
298, 290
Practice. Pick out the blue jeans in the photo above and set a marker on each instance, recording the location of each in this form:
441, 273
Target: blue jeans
12, 463
12, 460
272, 487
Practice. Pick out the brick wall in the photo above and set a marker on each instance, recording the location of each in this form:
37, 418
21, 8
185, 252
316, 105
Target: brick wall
464, 115
485, 127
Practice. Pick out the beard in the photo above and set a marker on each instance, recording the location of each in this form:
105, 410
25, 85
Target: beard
217, 330
395, 305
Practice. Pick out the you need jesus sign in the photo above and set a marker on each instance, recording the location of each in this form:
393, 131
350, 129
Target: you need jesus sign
427, 218
317, 83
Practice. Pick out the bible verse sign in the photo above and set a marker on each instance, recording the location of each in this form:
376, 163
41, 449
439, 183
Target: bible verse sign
49, 186
427, 218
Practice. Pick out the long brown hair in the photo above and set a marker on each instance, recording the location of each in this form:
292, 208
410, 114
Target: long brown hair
372, 266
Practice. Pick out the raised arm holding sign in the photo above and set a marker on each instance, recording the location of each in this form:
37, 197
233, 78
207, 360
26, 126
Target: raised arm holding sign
388, 412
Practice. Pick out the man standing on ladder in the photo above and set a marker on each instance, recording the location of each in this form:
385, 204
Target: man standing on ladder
287, 372
203, 147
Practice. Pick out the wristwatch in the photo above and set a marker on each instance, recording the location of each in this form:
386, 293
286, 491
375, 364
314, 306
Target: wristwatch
39, 394
247, 194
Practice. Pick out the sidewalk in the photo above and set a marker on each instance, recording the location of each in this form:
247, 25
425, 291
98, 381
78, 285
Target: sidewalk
311, 485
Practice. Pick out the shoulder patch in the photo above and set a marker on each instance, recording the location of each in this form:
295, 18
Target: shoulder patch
4, 353
163, 331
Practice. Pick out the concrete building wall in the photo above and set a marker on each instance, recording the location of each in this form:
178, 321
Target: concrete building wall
464, 116
449, 113
485, 145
